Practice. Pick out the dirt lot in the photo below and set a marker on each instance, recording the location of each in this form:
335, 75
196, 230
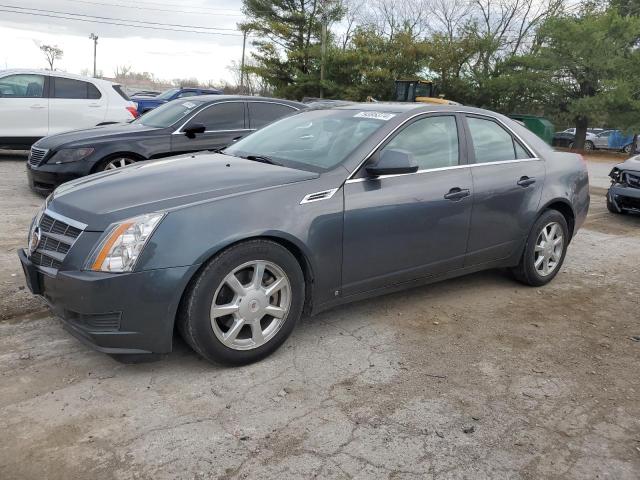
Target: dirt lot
477, 377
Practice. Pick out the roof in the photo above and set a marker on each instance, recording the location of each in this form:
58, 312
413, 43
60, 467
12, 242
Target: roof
242, 97
57, 73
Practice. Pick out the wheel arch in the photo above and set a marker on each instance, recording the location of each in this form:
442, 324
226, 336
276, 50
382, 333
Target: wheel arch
136, 156
291, 244
563, 206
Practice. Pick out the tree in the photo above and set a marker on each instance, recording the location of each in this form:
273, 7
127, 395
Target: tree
52, 53
589, 65
288, 42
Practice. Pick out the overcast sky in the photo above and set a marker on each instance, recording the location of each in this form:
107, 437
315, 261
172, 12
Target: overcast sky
167, 54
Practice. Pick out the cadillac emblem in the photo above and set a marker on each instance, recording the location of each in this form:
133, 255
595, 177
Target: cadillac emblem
34, 241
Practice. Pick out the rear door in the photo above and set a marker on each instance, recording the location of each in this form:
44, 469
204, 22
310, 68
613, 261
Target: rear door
24, 106
75, 104
262, 113
224, 122
507, 184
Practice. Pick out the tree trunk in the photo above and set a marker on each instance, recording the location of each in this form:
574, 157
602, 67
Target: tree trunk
581, 132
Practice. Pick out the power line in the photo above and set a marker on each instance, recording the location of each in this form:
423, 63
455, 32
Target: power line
137, 7
118, 19
181, 5
121, 24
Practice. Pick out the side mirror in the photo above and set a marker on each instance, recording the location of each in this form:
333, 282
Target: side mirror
191, 130
392, 162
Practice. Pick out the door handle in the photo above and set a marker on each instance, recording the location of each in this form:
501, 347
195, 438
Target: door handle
37, 106
457, 193
94, 105
526, 181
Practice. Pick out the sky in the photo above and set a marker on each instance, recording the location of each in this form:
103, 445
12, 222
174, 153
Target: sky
166, 54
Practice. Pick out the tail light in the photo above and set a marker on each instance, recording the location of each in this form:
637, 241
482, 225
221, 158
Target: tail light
133, 111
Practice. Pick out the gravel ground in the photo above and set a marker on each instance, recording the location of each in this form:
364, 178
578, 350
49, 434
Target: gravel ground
477, 377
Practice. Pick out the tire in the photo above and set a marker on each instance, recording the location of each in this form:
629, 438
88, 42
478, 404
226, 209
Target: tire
116, 161
571, 146
235, 338
529, 271
627, 149
589, 146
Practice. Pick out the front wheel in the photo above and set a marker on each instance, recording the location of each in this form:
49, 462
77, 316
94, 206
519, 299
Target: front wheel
117, 162
244, 304
627, 149
544, 251
589, 146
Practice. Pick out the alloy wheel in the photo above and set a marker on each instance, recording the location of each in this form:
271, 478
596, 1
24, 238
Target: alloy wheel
549, 248
119, 163
250, 305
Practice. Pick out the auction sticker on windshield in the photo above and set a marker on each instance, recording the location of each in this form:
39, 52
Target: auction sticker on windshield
189, 105
377, 115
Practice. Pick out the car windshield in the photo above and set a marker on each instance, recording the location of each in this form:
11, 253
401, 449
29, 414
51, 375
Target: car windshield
315, 140
168, 114
167, 94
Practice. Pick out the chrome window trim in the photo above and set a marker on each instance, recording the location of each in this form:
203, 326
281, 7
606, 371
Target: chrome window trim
275, 103
445, 112
439, 169
67, 220
178, 132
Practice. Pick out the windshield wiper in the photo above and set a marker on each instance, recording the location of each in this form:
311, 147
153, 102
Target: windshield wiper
262, 159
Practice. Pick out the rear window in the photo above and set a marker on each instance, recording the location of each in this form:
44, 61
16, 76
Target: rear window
74, 89
118, 89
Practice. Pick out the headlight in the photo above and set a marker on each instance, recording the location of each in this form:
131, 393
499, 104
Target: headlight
123, 243
67, 155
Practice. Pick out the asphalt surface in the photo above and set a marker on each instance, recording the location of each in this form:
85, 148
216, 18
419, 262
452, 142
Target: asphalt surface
477, 377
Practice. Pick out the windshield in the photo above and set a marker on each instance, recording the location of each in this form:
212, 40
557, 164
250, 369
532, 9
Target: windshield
168, 114
315, 140
167, 94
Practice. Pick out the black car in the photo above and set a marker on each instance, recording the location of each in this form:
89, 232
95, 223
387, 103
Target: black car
624, 193
205, 122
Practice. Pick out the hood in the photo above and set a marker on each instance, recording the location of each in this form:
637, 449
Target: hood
148, 100
631, 164
146, 187
89, 136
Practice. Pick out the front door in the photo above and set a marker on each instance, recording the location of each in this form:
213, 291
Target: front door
224, 122
24, 106
399, 228
507, 183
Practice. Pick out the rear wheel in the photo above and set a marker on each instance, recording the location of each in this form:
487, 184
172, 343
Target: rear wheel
244, 304
545, 250
588, 145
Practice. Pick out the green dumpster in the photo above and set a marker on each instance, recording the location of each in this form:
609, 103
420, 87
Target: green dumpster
538, 125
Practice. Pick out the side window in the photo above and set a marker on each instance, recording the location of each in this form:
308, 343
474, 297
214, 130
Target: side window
76, 89
261, 113
22, 86
521, 152
187, 94
222, 116
433, 141
491, 142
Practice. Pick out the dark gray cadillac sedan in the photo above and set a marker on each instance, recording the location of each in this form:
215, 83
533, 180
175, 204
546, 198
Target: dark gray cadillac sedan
320, 208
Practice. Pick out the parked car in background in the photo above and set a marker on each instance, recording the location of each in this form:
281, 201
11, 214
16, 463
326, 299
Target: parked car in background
181, 126
317, 209
567, 137
624, 193
37, 103
145, 93
145, 103
614, 140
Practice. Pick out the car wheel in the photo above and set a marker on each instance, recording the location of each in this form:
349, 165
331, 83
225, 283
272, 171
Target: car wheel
627, 149
545, 250
117, 162
244, 303
571, 146
588, 145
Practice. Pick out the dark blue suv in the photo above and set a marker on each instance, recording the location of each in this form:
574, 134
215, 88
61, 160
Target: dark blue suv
144, 104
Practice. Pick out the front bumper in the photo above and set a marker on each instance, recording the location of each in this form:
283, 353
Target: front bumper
624, 197
45, 178
128, 313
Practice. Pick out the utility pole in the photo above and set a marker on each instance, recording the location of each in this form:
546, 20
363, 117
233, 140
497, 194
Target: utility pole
94, 37
323, 42
244, 44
